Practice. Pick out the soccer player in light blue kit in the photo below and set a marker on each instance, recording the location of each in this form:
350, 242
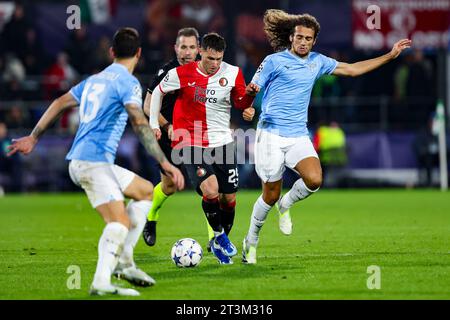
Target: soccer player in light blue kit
106, 101
282, 140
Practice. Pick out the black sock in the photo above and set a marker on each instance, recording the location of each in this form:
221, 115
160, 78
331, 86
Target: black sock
227, 220
227, 213
212, 213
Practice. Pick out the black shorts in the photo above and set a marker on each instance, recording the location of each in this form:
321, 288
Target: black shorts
201, 163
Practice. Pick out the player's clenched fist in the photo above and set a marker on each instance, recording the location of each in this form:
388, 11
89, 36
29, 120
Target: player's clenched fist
248, 114
174, 173
157, 133
252, 89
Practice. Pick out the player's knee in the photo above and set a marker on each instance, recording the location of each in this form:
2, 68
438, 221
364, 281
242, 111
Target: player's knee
210, 193
228, 198
271, 196
122, 219
210, 189
313, 181
228, 202
145, 193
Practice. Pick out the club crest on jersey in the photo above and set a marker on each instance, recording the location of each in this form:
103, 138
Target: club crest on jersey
312, 66
223, 82
201, 172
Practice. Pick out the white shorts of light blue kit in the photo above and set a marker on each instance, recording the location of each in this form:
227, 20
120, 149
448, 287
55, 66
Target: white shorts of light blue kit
103, 182
274, 153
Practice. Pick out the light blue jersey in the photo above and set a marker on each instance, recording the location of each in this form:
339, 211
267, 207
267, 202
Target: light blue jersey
103, 117
288, 81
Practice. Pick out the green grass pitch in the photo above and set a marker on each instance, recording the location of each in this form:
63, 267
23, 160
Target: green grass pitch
337, 236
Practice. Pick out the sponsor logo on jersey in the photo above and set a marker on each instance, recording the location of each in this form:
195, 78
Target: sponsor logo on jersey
223, 82
166, 78
203, 95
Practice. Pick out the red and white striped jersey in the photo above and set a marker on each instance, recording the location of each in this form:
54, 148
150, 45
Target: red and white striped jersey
201, 116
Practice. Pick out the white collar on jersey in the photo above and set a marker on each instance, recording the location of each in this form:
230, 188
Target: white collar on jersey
208, 75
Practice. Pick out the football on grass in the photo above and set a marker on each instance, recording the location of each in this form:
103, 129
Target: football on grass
187, 253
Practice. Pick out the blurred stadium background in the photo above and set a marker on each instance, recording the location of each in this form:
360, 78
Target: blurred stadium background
378, 130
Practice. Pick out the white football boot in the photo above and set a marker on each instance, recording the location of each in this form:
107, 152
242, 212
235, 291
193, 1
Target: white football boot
284, 220
101, 290
248, 252
133, 275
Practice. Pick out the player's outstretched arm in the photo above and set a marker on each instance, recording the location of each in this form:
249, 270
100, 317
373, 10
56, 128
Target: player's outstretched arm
148, 139
26, 144
362, 67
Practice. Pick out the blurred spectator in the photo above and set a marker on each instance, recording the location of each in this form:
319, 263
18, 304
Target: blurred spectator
419, 82
14, 35
13, 76
80, 50
205, 15
401, 79
413, 78
33, 57
17, 118
426, 147
10, 167
14, 69
59, 77
330, 143
102, 57
328, 84
163, 17
152, 53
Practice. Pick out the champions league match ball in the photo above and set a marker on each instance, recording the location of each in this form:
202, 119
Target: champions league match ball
187, 253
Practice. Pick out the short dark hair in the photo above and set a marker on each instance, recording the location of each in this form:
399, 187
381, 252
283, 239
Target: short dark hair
126, 43
213, 41
188, 32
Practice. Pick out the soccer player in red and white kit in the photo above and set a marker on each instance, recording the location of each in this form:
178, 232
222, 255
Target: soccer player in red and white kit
202, 138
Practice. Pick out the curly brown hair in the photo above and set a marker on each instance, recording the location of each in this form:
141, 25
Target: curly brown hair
279, 25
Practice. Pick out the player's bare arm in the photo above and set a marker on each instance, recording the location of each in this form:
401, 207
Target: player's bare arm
147, 100
362, 67
26, 144
166, 125
148, 139
144, 132
155, 112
